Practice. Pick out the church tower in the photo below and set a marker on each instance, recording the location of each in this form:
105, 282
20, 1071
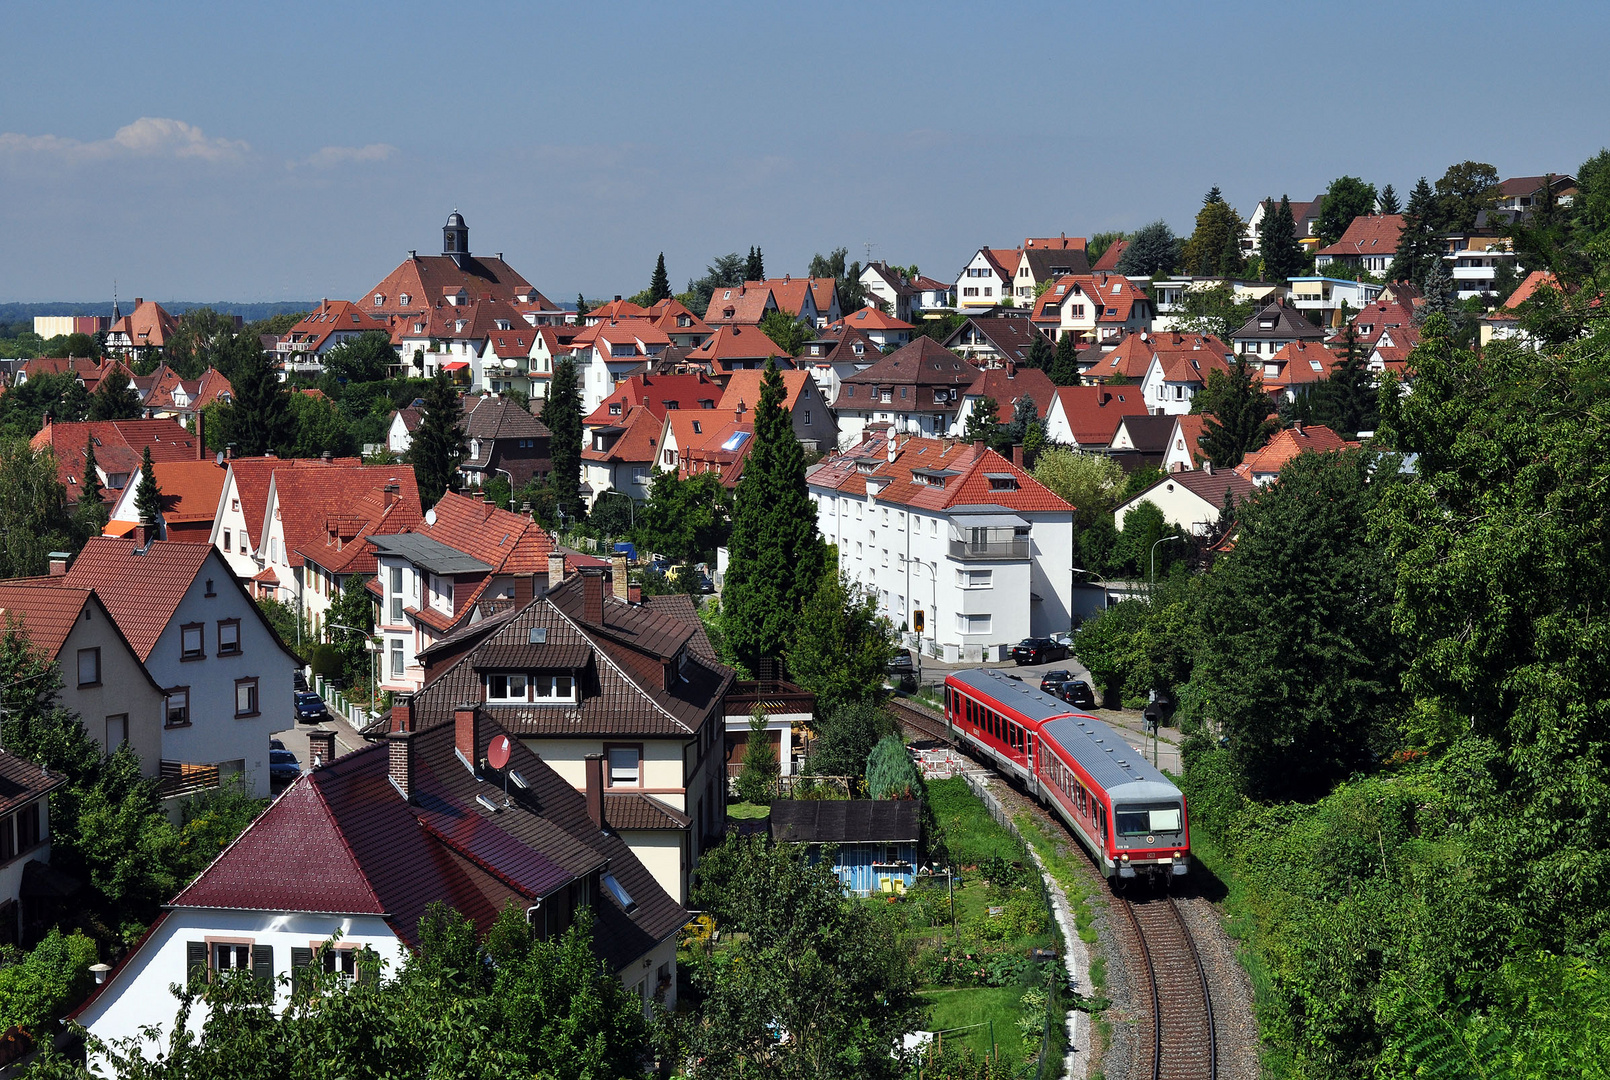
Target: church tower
456, 239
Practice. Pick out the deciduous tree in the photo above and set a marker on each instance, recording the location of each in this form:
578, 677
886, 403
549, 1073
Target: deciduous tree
115, 397
842, 646
1348, 198
1464, 191
1236, 412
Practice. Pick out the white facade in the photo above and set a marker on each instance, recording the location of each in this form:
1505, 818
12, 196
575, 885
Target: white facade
980, 284
231, 534
401, 586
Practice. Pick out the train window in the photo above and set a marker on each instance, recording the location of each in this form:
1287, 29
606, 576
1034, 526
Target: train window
1084, 796
1139, 821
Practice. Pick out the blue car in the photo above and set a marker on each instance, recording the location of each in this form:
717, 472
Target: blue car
283, 766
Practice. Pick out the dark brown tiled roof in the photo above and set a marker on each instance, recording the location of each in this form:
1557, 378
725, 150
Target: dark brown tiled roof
22, 782
639, 811
681, 606
826, 821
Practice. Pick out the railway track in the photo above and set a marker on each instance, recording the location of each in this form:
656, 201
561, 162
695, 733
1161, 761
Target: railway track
1183, 1042
930, 725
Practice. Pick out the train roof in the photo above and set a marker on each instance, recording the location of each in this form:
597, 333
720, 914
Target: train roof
1109, 759
1025, 698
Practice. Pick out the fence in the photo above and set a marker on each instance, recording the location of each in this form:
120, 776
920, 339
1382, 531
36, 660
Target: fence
338, 704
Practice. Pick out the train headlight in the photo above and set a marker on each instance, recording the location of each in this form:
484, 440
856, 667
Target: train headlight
1126, 858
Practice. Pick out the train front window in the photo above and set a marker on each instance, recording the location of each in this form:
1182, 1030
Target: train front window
1135, 821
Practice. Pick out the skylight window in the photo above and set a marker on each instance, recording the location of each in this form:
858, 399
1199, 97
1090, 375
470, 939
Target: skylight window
735, 440
618, 891
1315, 364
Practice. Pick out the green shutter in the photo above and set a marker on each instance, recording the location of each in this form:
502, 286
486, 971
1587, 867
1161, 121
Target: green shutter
263, 964
195, 955
301, 970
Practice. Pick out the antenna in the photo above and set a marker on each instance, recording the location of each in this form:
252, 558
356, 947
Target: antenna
868, 245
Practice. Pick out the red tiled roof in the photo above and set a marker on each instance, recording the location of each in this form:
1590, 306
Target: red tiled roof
1523, 292
1007, 384
1295, 365
1287, 444
1368, 234
427, 278
743, 387
656, 393
870, 318
323, 511
789, 292
314, 329
734, 342
190, 489
118, 447
975, 469
744, 304
924, 363
1093, 412
141, 591
638, 443
1109, 258
148, 325
43, 611
664, 315
509, 543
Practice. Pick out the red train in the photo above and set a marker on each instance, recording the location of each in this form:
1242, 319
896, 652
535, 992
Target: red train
1130, 817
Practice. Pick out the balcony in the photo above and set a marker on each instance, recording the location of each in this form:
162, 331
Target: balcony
990, 550
180, 778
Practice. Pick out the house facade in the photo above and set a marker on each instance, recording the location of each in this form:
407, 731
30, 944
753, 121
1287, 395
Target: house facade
1191, 500
987, 279
917, 389
1087, 417
1094, 308
876, 843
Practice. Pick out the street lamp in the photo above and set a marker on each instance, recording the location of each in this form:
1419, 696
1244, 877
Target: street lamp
631, 505
369, 647
1164, 540
1106, 593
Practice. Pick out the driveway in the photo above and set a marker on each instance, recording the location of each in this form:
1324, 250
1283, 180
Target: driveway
347, 738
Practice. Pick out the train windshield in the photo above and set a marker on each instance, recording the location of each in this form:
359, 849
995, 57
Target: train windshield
1141, 821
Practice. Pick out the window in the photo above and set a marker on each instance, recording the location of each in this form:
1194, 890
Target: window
229, 637
507, 688
8, 841
625, 766
336, 959
228, 545
1139, 822
807, 417
117, 731
245, 697
176, 708
972, 624
553, 688
396, 657
89, 667
190, 643
975, 579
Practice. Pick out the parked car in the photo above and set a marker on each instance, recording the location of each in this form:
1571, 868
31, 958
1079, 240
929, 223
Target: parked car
1051, 682
298, 680
1077, 692
276, 744
310, 708
1038, 650
902, 673
283, 766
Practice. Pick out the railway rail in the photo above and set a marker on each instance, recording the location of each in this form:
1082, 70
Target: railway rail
928, 724
1184, 1041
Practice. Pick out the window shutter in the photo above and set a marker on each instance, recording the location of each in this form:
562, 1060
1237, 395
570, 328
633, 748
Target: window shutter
195, 955
301, 970
263, 964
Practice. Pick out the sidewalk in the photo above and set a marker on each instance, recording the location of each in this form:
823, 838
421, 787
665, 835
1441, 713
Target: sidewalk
347, 738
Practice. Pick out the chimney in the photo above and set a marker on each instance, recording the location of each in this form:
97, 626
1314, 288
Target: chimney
617, 575
390, 494
1297, 427
401, 763
556, 569
326, 457
138, 300
229, 451
201, 442
320, 747
1017, 454
634, 593
617, 296
1207, 467
592, 595
1011, 369
144, 533
595, 789
402, 713
467, 732
58, 563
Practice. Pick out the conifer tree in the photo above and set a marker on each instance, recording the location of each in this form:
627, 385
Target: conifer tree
1236, 415
92, 512
1388, 201
115, 398
1065, 368
561, 413
1438, 289
982, 425
1213, 196
439, 442
1154, 249
1282, 255
1417, 245
777, 557
659, 286
755, 266
262, 418
1217, 226
581, 306
1042, 353
148, 497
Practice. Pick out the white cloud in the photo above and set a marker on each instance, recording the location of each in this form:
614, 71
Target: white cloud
149, 136
332, 157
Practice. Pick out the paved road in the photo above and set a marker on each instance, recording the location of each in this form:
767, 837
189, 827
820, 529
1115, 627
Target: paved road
347, 738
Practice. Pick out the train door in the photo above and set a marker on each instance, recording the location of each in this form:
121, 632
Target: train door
1101, 825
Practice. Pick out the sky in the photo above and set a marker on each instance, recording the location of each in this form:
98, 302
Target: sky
209, 152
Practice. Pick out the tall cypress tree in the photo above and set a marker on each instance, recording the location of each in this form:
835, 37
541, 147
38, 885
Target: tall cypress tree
1065, 367
1417, 245
777, 558
561, 413
1042, 354
755, 266
659, 286
91, 513
1282, 255
115, 398
1236, 420
1387, 203
262, 409
148, 497
439, 442
581, 306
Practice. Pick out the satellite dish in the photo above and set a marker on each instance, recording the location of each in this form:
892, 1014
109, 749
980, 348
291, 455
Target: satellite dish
430, 516
218, 459
498, 752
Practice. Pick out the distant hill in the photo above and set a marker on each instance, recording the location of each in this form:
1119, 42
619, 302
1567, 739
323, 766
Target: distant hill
250, 312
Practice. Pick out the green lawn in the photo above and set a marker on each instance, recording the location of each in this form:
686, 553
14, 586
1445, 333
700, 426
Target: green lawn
961, 1006
747, 811
970, 833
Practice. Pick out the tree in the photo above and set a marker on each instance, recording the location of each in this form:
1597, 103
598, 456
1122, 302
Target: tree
787, 332
91, 513
1236, 412
847, 277
755, 266
890, 773
582, 307
1215, 310
757, 783
1042, 354
726, 271
1348, 198
832, 971
1418, 245
1024, 413
1438, 288
1217, 227
659, 285
982, 426
367, 358
842, 646
1346, 399
320, 428
439, 442
1137, 553
776, 554
1282, 255
1088, 481
1154, 249
561, 412
261, 414
1300, 660
1100, 242
1591, 206
685, 519
352, 608
845, 735
115, 397
33, 509
1387, 203
1065, 366
147, 496
1464, 191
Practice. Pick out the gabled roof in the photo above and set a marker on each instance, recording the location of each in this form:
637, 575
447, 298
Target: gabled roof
1368, 234
118, 447
1011, 336
870, 318
735, 342
638, 441
1287, 444
935, 474
790, 293
22, 781
190, 490
1007, 384
1529, 285
1149, 434
1278, 322
743, 388
665, 313
508, 542
744, 304
90, 370
323, 511
615, 310
1531, 185
1048, 263
1112, 297
1209, 485
499, 418
1093, 412
1298, 363
44, 610
147, 326
923, 362
141, 591
657, 394
1188, 428
314, 329
1109, 258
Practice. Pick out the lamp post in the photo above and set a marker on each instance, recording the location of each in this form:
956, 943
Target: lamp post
631, 505
370, 648
1164, 540
1106, 593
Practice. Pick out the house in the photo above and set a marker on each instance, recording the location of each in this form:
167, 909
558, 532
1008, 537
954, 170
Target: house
1006, 386
723, 450
1044, 259
164, 395
404, 422
876, 843
889, 288
330, 325
986, 340
1086, 417
505, 360
420, 282
838, 353
1473, 262
932, 295
103, 680
1296, 369
1389, 332
1141, 440
987, 279
224, 673
656, 393
143, 331
1503, 321
353, 853
1273, 328
1263, 466
1330, 299
813, 424
609, 352
1179, 370
813, 301
917, 388
1169, 295
1193, 499
789, 711
1098, 307
550, 345
735, 347
28, 903
885, 330
1369, 244
88, 370
502, 438
952, 530
427, 592
685, 329
237, 530
620, 454
1304, 215
683, 431
119, 449
739, 305
1183, 451
1520, 195
588, 679
190, 491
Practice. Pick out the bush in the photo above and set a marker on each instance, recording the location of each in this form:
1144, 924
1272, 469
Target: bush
890, 772
37, 987
758, 781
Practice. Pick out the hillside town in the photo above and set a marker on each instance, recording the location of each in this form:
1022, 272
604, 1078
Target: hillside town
443, 649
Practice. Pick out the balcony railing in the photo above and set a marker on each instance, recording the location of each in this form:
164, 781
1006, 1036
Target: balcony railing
991, 549
184, 778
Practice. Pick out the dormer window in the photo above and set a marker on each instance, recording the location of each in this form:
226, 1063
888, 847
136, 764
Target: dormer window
507, 688
379, 299
403, 299
516, 688
614, 408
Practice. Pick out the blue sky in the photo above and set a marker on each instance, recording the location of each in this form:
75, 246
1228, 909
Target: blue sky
277, 152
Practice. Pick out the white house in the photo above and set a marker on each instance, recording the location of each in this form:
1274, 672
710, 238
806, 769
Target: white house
987, 278
1175, 377
949, 536
330, 325
225, 675
1191, 499
1095, 308
24, 840
1329, 297
609, 352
